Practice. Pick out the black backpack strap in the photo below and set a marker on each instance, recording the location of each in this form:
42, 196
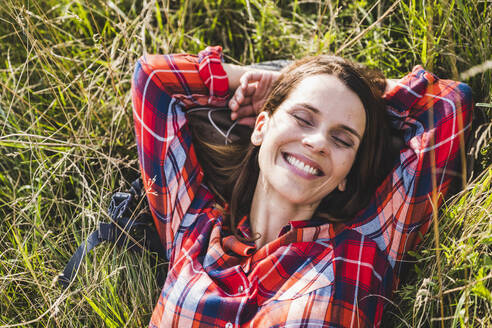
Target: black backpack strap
103, 233
135, 233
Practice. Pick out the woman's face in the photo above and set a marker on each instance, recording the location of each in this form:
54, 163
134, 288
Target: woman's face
309, 144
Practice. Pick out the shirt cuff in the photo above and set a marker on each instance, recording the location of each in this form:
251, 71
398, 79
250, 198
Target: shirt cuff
410, 88
213, 74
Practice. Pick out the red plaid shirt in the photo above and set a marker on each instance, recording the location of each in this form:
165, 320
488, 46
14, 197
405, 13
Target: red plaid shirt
314, 274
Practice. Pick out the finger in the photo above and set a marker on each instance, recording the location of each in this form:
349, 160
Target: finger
233, 105
239, 98
246, 101
241, 94
250, 89
242, 112
249, 121
250, 77
245, 111
245, 79
264, 86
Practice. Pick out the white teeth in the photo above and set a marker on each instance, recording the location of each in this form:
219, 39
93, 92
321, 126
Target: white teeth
302, 166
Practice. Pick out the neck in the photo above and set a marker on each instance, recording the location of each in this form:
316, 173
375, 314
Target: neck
271, 211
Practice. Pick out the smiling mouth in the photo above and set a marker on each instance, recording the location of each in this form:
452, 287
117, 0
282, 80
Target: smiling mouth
301, 165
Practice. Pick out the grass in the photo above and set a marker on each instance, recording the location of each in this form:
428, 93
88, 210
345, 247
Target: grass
66, 140
466, 262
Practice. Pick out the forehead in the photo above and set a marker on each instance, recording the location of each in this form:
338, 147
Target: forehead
331, 99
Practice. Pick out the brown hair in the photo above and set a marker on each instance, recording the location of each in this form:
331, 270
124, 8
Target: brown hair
232, 171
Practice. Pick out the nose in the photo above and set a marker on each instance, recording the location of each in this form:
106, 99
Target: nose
317, 142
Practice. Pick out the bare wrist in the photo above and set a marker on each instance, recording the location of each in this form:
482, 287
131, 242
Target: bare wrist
234, 73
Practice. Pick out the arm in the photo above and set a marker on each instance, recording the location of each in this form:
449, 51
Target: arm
163, 86
431, 114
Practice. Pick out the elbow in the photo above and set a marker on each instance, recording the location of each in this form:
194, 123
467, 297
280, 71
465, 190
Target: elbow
139, 75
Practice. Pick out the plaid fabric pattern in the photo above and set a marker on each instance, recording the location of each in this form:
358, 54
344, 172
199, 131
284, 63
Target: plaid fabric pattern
314, 274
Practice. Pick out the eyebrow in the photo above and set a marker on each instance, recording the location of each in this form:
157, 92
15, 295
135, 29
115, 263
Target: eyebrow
342, 126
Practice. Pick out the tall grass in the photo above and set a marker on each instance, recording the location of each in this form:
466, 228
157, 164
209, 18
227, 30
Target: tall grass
466, 262
66, 140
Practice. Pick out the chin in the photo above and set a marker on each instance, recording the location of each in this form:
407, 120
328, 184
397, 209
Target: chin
300, 199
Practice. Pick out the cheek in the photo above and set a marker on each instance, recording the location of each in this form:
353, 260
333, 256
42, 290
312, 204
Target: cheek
278, 134
267, 151
345, 161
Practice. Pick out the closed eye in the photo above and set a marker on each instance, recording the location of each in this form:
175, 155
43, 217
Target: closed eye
342, 142
301, 120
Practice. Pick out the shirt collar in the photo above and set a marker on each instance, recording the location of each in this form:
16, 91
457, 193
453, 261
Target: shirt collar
297, 229
301, 224
244, 226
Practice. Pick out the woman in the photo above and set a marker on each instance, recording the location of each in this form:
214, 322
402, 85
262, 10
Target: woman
301, 229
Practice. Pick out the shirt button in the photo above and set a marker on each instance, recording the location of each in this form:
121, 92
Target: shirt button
240, 289
228, 325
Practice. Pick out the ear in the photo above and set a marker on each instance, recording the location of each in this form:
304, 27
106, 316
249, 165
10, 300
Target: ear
342, 185
260, 128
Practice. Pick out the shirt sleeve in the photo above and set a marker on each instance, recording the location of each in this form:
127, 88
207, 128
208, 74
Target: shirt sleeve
432, 114
163, 88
